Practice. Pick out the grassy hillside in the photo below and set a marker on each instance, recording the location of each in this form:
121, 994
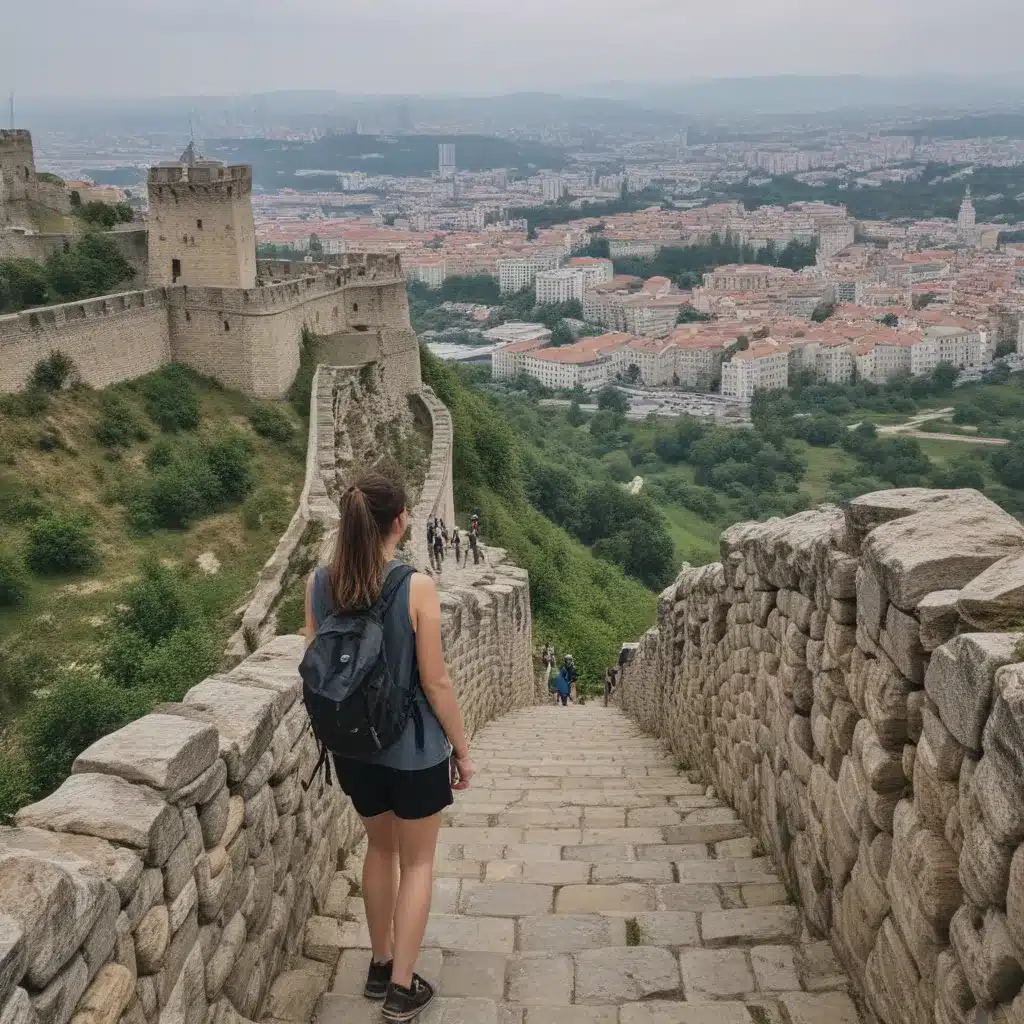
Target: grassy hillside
133, 522
581, 604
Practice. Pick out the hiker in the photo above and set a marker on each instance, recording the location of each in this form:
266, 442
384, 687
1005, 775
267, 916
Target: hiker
609, 684
400, 787
474, 546
563, 686
430, 536
438, 549
457, 544
571, 675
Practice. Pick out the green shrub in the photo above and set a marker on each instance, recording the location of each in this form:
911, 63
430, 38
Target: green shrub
267, 508
19, 501
291, 610
13, 580
155, 605
51, 373
172, 400
25, 404
60, 542
76, 711
229, 460
118, 427
161, 454
14, 786
301, 390
271, 422
22, 672
171, 668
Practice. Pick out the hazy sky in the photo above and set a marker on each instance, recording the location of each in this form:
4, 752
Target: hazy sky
144, 47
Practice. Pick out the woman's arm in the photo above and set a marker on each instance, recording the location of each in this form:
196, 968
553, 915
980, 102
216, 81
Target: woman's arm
309, 630
425, 612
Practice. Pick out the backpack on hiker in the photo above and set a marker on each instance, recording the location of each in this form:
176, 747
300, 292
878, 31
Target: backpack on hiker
355, 705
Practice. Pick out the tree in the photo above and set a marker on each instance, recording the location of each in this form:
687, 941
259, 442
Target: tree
23, 283
575, 415
891, 320
316, 247
561, 335
614, 400
944, 377
822, 311
688, 314
1008, 465
632, 373
531, 234
923, 300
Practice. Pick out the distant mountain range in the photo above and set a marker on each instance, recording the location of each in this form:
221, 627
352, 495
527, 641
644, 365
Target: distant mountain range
600, 106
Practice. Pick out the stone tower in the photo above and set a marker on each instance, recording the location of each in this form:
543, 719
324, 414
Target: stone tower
18, 182
201, 230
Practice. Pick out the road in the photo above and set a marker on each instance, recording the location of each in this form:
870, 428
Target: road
909, 429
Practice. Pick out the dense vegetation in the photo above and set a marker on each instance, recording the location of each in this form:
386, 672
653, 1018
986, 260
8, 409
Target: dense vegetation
583, 604
107, 501
101, 215
550, 214
91, 266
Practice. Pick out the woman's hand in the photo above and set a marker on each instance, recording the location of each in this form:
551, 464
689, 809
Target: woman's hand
464, 769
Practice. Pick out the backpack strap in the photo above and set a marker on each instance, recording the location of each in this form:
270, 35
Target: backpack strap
389, 591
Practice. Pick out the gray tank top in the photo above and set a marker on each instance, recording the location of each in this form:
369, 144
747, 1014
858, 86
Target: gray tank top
400, 644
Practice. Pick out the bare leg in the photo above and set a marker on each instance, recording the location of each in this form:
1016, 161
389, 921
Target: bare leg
380, 882
417, 841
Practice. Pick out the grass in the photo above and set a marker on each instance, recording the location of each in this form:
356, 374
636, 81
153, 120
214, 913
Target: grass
696, 539
820, 463
68, 611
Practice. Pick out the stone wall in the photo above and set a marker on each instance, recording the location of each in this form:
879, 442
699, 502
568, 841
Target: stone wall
437, 497
111, 339
129, 241
846, 680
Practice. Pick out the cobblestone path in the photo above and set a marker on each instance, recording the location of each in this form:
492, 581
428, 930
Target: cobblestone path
583, 880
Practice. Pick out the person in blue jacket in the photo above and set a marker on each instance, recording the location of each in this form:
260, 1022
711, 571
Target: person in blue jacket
563, 685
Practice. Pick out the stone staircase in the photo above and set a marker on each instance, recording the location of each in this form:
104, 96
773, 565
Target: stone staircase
583, 880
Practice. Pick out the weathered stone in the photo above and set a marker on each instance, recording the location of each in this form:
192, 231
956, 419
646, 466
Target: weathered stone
163, 751
994, 600
939, 617
110, 808
569, 933
82, 854
219, 966
151, 939
901, 640
715, 974
18, 1009
618, 975
295, 993
178, 951
959, 535
98, 946
540, 979
987, 956
960, 680
56, 1003
823, 1008
202, 789
244, 717
54, 909
765, 924
213, 817
107, 997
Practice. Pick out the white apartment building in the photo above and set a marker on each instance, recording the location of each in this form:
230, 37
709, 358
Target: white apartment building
834, 236
654, 358
762, 368
741, 278
568, 367
519, 272
943, 343
834, 363
509, 360
697, 359
877, 361
432, 273
595, 270
552, 188
633, 247
563, 285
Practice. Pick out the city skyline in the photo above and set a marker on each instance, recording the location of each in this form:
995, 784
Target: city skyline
396, 46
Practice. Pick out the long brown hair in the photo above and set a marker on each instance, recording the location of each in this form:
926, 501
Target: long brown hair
368, 508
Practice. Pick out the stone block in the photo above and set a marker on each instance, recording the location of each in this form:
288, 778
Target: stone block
939, 618
750, 927
823, 1008
624, 974
57, 1001
994, 600
476, 974
659, 1011
628, 897
107, 997
483, 934
244, 717
569, 933
295, 993
960, 680
540, 979
18, 1009
504, 899
987, 955
54, 910
108, 807
901, 640
202, 789
715, 974
162, 751
12, 956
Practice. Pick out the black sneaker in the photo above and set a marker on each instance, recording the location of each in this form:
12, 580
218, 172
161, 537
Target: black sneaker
377, 980
406, 1003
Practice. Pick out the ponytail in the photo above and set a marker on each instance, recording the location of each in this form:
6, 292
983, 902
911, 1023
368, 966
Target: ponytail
369, 507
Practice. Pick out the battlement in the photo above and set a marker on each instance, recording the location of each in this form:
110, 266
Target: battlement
15, 139
373, 267
14, 326
168, 180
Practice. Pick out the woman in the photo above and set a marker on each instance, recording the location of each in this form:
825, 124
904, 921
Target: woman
457, 544
398, 792
562, 686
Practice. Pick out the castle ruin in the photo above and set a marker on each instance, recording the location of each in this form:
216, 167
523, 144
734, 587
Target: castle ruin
207, 303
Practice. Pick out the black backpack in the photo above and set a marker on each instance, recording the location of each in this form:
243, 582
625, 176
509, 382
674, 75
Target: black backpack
355, 705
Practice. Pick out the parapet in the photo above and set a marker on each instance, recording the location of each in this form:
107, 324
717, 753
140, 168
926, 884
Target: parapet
209, 178
15, 139
852, 682
14, 326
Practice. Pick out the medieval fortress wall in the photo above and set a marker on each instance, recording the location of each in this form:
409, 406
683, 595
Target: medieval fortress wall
209, 304
853, 683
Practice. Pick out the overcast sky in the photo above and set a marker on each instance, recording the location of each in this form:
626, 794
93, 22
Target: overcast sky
148, 47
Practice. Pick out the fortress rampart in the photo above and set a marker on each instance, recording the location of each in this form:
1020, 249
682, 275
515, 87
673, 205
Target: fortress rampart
852, 682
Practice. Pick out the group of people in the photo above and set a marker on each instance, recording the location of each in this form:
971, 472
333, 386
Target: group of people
439, 541
562, 685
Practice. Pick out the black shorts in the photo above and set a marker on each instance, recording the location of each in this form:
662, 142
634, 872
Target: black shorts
375, 789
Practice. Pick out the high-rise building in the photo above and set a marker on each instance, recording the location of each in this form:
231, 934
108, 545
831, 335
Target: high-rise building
552, 188
446, 160
965, 223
